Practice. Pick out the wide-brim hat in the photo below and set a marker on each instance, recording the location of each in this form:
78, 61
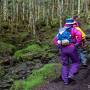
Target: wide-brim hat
70, 21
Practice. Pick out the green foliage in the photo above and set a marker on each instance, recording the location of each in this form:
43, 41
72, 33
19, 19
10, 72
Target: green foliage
46, 28
38, 77
20, 36
4, 27
23, 34
45, 46
6, 48
52, 36
88, 26
14, 37
40, 23
54, 23
2, 71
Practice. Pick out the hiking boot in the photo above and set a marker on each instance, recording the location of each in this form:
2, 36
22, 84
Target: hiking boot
71, 76
70, 80
85, 65
66, 83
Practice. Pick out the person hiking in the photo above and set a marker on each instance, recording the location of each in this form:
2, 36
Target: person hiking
77, 18
67, 45
81, 49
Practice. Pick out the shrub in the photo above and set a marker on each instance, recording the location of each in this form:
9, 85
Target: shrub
6, 48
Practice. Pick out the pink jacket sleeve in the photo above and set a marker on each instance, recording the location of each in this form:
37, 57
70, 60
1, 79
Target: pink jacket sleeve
56, 40
77, 35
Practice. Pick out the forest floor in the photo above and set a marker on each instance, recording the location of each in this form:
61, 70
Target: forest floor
81, 82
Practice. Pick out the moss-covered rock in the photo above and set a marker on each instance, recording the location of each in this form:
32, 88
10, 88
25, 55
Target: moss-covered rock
28, 52
33, 51
38, 77
6, 48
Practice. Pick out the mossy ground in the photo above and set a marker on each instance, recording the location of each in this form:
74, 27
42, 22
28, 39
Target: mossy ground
38, 77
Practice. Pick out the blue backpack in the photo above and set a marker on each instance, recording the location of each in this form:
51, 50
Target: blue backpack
65, 34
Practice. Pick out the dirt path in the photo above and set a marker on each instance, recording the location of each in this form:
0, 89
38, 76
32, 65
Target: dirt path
82, 82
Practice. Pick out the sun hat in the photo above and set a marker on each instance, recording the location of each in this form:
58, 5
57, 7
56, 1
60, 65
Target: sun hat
70, 21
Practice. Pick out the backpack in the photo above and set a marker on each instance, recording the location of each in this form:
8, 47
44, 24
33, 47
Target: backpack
64, 35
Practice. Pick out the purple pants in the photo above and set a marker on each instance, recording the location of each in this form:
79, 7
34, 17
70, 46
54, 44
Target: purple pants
66, 53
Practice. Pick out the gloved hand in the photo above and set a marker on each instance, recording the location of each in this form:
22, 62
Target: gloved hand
76, 45
59, 42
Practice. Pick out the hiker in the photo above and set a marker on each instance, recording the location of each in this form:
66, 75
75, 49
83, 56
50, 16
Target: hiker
76, 18
67, 40
81, 49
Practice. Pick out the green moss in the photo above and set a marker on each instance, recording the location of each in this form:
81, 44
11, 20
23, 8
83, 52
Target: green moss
6, 48
34, 83
45, 47
31, 51
27, 51
51, 55
33, 48
38, 77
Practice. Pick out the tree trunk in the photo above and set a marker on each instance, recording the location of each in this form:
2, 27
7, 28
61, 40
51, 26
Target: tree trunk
23, 4
78, 7
43, 10
17, 10
72, 8
60, 13
47, 14
33, 17
53, 9
5, 10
